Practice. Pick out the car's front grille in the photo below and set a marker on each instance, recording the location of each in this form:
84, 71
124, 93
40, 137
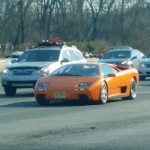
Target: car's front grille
147, 65
148, 72
21, 83
22, 72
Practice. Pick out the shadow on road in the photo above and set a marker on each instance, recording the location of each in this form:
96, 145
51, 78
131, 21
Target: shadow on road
55, 104
22, 104
17, 95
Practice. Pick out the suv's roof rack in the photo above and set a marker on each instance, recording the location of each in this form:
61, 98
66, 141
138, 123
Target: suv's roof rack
50, 42
120, 47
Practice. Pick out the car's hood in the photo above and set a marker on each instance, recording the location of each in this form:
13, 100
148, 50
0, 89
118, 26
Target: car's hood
67, 81
32, 65
113, 61
145, 60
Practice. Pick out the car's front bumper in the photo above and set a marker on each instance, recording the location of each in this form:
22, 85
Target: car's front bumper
144, 72
70, 94
19, 81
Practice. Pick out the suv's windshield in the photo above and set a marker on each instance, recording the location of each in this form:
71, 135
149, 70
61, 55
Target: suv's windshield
39, 55
117, 54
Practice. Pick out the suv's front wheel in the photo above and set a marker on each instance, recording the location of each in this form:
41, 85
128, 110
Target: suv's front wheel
10, 91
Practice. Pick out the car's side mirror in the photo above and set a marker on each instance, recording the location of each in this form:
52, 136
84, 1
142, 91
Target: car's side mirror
13, 61
111, 75
65, 60
134, 57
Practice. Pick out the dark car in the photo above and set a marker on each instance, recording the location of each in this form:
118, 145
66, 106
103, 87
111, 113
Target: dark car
14, 55
124, 57
144, 67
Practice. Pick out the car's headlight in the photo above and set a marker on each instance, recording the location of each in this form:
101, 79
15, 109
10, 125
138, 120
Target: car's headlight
126, 62
5, 70
84, 84
43, 85
142, 65
43, 70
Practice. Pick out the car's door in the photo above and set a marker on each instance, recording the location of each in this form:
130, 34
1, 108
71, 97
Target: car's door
134, 57
112, 82
139, 56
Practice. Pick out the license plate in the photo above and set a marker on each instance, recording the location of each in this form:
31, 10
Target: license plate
59, 95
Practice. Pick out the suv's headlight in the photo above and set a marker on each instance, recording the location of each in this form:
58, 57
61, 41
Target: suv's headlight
5, 70
126, 62
142, 65
43, 70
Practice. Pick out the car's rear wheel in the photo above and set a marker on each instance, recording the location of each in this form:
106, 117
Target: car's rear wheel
133, 89
10, 91
42, 101
103, 93
142, 78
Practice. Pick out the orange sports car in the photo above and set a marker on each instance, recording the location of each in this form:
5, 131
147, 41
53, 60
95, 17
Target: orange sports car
87, 81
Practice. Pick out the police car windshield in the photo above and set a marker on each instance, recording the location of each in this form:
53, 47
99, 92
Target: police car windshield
43, 55
117, 54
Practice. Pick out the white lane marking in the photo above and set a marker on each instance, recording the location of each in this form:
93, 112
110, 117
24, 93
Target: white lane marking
144, 92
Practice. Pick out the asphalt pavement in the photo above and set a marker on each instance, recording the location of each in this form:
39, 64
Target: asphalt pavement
117, 125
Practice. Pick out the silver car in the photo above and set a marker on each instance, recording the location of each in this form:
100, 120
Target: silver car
124, 57
144, 67
37, 62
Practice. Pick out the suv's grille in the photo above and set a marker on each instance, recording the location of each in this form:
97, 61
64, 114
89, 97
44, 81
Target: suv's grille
22, 72
147, 65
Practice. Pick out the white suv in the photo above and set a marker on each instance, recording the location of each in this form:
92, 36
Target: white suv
38, 61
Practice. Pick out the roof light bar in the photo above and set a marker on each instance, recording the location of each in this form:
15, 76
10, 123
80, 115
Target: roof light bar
51, 42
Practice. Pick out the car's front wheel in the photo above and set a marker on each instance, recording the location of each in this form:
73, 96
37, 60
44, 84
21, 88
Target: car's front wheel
103, 93
10, 91
42, 101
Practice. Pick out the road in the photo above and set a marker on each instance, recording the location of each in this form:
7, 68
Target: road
117, 125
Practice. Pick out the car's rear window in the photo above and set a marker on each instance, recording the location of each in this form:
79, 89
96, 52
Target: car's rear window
40, 55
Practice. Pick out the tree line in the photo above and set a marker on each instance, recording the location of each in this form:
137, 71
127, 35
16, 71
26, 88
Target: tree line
117, 22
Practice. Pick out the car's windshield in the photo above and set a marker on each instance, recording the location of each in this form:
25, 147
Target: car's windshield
148, 56
77, 70
39, 55
117, 54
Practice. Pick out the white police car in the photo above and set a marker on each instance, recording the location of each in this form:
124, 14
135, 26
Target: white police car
40, 60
